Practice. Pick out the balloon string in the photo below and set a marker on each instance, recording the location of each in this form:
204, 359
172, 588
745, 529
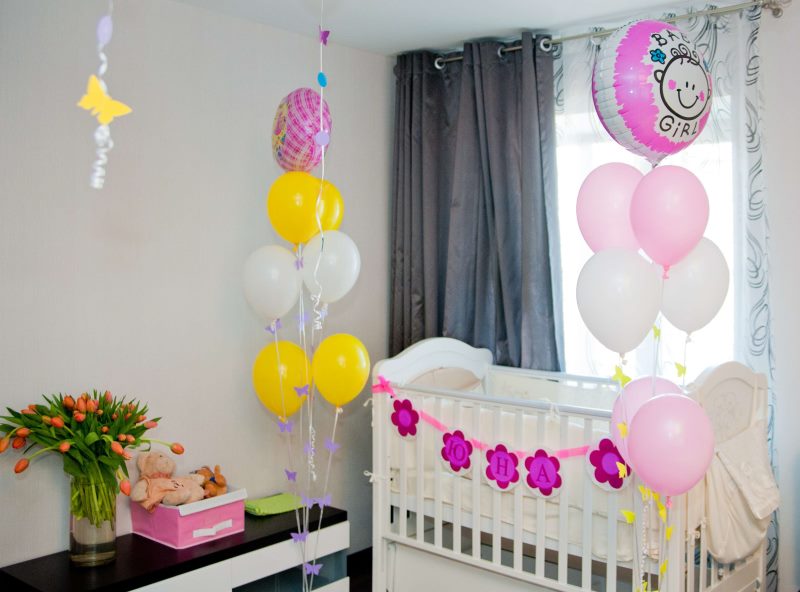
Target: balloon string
289, 456
339, 411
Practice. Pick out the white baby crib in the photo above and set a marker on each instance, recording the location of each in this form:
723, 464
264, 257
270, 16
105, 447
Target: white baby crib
436, 530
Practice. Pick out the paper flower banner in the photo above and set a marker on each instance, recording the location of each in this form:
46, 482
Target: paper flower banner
604, 462
99, 103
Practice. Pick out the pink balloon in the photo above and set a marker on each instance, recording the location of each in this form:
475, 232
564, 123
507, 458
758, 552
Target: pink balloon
635, 394
671, 443
297, 124
669, 213
603, 207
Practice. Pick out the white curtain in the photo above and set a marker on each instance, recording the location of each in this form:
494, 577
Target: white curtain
727, 157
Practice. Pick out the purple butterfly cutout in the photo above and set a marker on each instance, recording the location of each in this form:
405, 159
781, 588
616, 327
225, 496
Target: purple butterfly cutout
299, 537
273, 328
298, 263
301, 390
286, 426
331, 445
302, 319
290, 475
308, 502
323, 502
312, 569
323, 36
308, 449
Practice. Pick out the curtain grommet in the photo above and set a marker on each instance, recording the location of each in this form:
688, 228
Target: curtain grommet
501, 52
438, 63
546, 44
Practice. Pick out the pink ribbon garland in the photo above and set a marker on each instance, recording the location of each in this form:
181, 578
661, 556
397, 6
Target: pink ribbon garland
384, 386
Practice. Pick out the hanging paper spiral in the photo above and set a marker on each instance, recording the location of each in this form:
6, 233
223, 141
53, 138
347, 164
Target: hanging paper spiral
100, 104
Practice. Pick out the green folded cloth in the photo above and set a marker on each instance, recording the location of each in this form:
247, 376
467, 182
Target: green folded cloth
274, 504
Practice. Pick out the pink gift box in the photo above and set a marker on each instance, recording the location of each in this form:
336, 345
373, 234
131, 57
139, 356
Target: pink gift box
191, 524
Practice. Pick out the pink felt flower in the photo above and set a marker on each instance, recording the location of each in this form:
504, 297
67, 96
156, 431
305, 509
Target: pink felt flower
405, 418
501, 466
456, 450
606, 461
543, 472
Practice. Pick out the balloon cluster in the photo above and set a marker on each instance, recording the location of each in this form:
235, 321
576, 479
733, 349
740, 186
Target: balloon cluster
305, 211
652, 91
664, 213
664, 435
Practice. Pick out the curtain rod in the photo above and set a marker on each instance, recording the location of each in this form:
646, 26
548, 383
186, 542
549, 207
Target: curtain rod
546, 44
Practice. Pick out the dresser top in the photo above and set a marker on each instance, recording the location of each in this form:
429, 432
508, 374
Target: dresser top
140, 561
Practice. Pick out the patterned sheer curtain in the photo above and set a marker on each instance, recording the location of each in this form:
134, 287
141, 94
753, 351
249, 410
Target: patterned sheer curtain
728, 159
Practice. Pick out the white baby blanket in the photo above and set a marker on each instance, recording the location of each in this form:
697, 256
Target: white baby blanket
741, 495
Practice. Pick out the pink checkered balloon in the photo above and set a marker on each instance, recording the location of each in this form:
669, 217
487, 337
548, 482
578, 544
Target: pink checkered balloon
299, 134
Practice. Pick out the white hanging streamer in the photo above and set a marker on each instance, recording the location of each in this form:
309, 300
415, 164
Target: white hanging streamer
102, 135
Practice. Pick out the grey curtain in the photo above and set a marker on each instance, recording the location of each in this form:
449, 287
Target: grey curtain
475, 228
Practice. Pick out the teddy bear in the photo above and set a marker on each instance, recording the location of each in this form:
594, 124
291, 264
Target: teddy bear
157, 485
214, 483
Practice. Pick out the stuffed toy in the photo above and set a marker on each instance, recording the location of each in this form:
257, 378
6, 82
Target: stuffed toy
214, 483
156, 484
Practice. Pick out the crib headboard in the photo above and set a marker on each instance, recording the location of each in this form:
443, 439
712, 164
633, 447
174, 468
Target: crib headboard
734, 397
424, 362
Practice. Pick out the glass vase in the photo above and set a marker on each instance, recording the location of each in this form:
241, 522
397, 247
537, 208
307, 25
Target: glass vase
92, 522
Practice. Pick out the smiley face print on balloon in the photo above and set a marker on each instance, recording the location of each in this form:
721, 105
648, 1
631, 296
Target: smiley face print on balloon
685, 88
652, 89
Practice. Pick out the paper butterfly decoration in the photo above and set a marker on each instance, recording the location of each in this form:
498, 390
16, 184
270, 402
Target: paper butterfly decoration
100, 104
629, 516
312, 569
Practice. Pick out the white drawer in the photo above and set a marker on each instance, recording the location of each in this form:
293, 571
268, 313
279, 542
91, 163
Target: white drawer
282, 556
211, 578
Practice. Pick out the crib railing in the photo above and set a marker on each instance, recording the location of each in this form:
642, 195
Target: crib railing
570, 542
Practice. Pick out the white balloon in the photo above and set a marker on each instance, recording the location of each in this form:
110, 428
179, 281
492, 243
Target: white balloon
696, 287
339, 265
619, 294
272, 282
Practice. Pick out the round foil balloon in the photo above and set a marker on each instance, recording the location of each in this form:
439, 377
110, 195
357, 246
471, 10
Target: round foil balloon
297, 123
651, 89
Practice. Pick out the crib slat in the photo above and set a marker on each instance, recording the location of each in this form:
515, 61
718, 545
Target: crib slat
703, 559
611, 562
586, 537
497, 507
437, 483
518, 516
477, 476
541, 509
690, 562
419, 443
457, 481
403, 507
563, 509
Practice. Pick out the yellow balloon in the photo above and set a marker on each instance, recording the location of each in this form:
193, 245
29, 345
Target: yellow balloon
331, 207
276, 383
291, 204
340, 368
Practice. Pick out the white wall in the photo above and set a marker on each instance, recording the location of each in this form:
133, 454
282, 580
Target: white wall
782, 95
137, 288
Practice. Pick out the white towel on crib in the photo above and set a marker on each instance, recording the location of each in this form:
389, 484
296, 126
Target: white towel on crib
741, 495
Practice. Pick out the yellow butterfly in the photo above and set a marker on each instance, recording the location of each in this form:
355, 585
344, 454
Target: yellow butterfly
100, 104
623, 470
620, 376
669, 532
629, 516
623, 429
663, 569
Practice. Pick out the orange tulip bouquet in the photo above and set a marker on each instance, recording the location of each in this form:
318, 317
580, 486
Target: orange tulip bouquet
94, 435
